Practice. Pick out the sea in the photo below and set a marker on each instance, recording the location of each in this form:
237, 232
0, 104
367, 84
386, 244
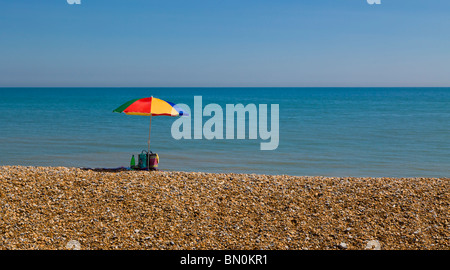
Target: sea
339, 132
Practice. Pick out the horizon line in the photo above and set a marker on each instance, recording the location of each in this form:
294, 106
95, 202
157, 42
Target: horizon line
224, 87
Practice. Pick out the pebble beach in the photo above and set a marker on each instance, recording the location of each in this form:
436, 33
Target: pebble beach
57, 208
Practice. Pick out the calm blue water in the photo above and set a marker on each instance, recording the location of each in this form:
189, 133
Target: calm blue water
398, 132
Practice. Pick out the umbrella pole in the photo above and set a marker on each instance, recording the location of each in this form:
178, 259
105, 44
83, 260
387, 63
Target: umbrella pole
148, 152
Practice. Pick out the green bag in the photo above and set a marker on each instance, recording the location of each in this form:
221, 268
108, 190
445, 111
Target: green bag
142, 162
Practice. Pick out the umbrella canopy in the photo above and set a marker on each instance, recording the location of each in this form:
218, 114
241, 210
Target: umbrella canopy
150, 106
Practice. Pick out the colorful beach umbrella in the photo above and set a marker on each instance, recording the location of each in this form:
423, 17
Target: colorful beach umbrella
150, 106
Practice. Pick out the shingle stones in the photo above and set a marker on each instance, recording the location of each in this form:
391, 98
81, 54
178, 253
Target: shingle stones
47, 208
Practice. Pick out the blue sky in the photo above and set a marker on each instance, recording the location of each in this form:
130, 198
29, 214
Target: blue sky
209, 43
